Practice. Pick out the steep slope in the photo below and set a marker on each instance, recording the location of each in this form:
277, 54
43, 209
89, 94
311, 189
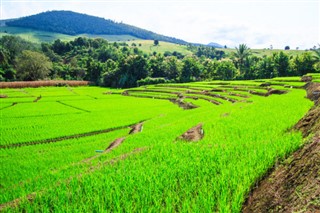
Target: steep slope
293, 186
71, 23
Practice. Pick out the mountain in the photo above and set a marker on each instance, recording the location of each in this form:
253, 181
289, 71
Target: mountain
216, 45
72, 23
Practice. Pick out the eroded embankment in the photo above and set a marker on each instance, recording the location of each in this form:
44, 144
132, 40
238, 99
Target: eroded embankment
294, 186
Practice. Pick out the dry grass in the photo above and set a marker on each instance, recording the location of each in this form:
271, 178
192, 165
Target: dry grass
22, 84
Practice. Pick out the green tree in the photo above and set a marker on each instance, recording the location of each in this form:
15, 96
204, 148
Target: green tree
172, 67
156, 66
32, 66
226, 70
242, 52
265, 68
316, 57
302, 64
191, 69
281, 63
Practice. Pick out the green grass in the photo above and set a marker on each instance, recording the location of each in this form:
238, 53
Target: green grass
149, 47
264, 52
151, 171
38, 36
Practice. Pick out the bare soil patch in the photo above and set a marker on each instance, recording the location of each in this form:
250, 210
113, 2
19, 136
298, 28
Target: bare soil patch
3, 96
182, 104
276, 91
313, 91
136, 128
306, 78
194, 134
114, 144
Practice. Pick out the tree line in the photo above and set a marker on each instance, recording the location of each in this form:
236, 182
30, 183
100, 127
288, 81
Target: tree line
121, 66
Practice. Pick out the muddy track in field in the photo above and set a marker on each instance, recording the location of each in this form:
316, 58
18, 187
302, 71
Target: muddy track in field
58, 139
30, 197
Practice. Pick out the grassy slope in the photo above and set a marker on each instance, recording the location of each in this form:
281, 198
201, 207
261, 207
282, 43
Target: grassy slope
38, 36
265, 52
148, 46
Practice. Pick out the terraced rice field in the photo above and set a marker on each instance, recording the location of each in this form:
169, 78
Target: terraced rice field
92, 149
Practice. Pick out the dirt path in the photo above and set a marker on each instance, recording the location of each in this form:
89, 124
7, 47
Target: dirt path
136, 128
194, 134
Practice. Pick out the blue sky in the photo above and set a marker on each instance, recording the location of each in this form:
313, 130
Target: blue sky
258, 23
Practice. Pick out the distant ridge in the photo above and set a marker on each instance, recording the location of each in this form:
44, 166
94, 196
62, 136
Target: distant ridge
72, 23
216, 45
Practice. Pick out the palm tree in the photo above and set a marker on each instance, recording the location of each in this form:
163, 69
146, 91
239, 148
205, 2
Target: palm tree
317, 54
241, 54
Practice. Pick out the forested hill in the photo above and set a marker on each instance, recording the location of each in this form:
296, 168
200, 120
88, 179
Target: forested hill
71, 23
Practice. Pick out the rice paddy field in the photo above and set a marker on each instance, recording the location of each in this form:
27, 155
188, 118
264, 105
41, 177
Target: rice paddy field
93, 149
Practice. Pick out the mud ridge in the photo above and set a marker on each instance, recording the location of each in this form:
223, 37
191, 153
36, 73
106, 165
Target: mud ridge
84, 110
37, 99
13, 104
58, 139
194, 134
136, 128
179, 101
182, 104
206, 99
257, 93
239, 95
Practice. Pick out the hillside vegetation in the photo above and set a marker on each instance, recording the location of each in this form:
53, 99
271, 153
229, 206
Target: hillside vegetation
123, 65
71, 23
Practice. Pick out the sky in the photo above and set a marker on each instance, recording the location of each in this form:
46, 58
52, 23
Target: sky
257, 23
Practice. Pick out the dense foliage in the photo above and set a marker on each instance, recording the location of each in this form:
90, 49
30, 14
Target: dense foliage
71, 23
120, 65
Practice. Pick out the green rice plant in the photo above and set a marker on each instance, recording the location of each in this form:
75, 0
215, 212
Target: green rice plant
153, 170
